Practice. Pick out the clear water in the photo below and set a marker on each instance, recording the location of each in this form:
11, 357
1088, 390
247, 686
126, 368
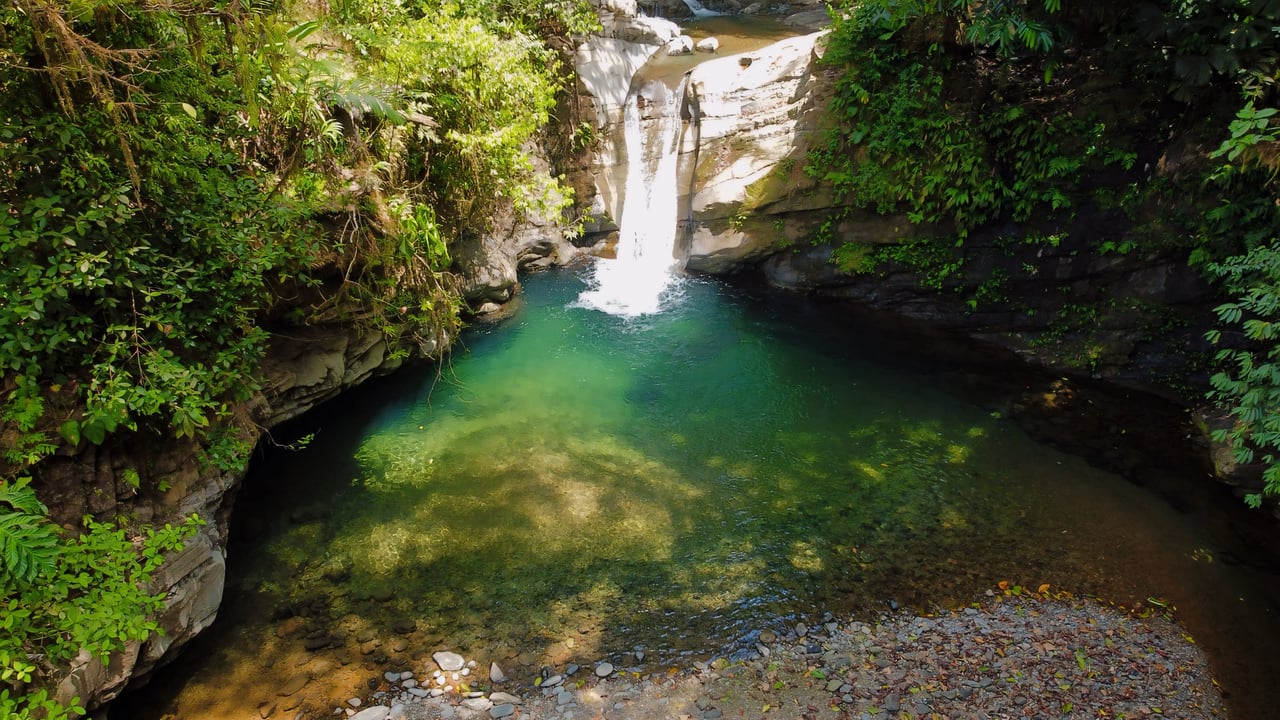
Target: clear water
574, 485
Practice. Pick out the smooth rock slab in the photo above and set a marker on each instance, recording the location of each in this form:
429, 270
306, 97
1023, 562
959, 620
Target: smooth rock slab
449, 661
377, 712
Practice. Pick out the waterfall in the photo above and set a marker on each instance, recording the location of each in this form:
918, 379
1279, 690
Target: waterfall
635, 282
699, 10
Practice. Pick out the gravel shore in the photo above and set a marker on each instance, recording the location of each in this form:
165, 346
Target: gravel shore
1008, 657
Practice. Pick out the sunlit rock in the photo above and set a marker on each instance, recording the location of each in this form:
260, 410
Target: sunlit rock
682, 45
644, 30
753, 128
708, 45
449, 661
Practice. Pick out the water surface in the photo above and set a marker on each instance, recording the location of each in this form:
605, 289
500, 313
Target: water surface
572, 486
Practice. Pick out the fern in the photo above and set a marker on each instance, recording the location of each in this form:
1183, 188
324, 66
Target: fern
28, 542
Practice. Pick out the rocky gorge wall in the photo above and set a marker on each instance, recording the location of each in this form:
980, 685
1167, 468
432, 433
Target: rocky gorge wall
747, 207
302, 369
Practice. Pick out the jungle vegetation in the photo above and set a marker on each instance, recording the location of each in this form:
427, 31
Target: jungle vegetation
964, 115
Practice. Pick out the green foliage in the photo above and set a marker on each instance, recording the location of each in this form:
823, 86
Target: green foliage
138, 251
1254, 134
27, 540
902, 142
1200, 43
63, 594
1249, 384
189, 166
1242, 231
1011, 25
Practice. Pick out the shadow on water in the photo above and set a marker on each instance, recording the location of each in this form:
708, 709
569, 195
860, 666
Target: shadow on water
577, 486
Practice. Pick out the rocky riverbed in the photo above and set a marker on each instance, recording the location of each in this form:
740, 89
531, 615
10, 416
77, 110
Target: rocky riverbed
1010, 656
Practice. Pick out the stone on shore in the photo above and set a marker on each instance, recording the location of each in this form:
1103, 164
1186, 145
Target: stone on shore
449, 661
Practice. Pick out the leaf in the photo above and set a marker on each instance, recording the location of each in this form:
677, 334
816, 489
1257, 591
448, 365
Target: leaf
189, 110
94, 432
1044, 588
70, 431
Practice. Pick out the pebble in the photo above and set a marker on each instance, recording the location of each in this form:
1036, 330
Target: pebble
501, 711
501, 697
495, 673
480, 704
604, 669
552, 681
377, 712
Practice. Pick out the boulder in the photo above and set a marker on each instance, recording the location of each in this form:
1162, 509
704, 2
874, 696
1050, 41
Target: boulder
708, 45
643, 30
682, 45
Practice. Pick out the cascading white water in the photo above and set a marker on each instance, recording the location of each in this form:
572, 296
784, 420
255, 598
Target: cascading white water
635, 282
699, 10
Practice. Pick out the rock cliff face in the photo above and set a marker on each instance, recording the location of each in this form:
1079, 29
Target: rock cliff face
749, 207
302, 369
755, 116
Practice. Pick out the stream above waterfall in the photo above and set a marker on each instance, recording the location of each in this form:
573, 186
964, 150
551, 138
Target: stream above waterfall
572, 486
